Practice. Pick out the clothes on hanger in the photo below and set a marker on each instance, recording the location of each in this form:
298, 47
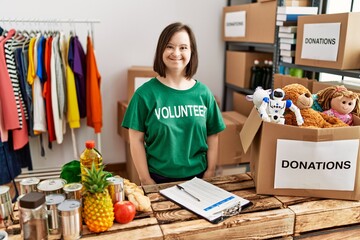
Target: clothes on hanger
46, 80
93, 95
78, 65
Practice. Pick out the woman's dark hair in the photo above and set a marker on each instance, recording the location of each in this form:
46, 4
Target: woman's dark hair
165, 36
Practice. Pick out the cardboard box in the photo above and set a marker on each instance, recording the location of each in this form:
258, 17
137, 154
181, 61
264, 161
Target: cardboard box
230, 148
268, 151
297, 3
316, 54
281, 81
254, 22
137, 75
317, 86
130, 167
123, 132
241, 105
238, 66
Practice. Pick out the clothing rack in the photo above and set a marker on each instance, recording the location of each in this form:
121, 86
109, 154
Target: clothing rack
56, 21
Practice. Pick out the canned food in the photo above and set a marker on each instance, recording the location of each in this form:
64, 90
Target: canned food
51, 186
6, 210
73, 191
70, 218
28, 185
52, 202
116, 189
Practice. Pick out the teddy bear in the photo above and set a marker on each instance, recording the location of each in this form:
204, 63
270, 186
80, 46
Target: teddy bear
338, 101
302, 98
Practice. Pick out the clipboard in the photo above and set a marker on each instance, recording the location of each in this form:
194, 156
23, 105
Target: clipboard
206, 200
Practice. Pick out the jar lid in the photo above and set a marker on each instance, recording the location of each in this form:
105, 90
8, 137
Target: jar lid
29, 181
51, 184
54, 199
72, 187
69, 205
32, 200
3, 235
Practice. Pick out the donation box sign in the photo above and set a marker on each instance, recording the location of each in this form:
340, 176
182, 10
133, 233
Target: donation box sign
329, 165
235, 23
321, 41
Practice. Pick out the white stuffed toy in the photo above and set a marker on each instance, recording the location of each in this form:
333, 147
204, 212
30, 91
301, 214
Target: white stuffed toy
261, 98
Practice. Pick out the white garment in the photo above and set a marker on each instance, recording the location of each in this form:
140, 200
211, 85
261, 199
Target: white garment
56, 92
38, 100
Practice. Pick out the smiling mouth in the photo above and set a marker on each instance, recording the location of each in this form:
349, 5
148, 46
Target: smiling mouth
305, 104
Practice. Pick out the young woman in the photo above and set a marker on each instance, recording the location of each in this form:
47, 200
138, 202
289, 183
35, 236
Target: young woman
173, 119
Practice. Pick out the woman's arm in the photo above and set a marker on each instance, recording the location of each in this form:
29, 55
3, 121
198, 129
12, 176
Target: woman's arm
138, 154
212, 155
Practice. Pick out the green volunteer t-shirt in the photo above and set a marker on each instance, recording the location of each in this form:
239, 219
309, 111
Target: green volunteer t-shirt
176, 124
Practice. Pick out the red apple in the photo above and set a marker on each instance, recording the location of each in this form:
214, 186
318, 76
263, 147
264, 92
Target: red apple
124, 211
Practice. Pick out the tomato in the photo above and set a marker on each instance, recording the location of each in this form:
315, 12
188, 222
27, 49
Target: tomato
124, 211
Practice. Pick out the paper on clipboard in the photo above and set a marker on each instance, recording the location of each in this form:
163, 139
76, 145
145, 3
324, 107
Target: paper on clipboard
214, 201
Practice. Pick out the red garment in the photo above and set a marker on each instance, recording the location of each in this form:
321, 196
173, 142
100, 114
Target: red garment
20, 136
10, 118
93, 94
8, 104
47, 92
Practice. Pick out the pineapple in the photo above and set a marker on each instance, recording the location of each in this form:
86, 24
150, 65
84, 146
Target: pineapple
98, 209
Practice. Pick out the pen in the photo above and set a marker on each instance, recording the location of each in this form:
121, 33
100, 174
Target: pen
183, 189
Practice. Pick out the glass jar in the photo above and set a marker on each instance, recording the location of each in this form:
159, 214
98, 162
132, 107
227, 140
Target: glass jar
33, 216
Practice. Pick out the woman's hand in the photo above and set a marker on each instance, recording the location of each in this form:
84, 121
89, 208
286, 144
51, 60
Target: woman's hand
148, 181
209, 173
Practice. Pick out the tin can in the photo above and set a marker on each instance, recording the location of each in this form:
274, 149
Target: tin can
70, 218
73, 191
52, 202
28, 185
3, 235
51, 186
6, 210
116, 189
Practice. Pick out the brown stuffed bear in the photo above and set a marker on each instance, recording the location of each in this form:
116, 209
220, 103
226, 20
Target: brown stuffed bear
301, 97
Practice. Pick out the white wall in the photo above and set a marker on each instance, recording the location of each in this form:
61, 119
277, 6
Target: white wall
126, 36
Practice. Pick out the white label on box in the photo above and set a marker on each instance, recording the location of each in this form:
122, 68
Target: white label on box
321, 41
235, 23
139, 81
329, 165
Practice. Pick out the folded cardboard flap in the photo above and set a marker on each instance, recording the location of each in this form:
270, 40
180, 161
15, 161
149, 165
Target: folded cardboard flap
250, 129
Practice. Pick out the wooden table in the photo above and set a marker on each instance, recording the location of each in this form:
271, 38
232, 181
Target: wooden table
270, 217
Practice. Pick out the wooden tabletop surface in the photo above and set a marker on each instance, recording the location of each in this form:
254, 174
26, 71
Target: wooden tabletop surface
270, 217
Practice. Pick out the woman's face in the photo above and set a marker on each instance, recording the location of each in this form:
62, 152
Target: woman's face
177, 52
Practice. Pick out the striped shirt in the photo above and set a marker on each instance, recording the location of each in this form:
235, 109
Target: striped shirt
9, 47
